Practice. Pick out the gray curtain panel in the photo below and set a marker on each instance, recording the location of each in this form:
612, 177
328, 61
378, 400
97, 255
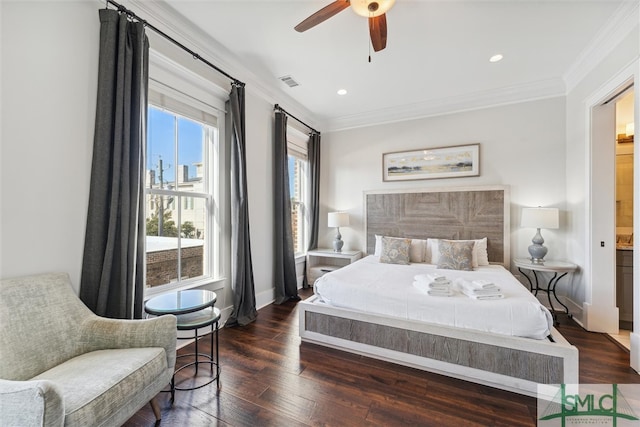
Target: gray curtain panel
313, 151
244, 293
286, 283
112, 283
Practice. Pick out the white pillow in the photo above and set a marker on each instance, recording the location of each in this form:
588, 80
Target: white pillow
433, 253
480, 250
416, 250
378, 249
478, 257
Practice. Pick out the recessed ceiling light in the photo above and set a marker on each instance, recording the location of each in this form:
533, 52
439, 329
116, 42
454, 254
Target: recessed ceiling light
496, 58
342, 91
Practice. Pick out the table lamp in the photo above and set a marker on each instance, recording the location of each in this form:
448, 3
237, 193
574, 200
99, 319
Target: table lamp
338, 219
539, 218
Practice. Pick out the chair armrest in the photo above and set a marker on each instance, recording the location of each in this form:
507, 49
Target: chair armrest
30, 403
99, 333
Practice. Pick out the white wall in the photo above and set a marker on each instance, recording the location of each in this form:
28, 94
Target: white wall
521, 145
49, 81
260, 188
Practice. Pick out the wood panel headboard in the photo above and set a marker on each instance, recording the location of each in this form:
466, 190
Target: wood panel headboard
443, 213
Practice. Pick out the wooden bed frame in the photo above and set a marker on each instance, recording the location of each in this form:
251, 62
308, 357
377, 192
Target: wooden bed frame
509, 363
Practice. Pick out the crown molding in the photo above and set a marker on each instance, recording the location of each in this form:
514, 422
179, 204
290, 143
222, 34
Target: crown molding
624, 20
166, 19
621, 23
456, 104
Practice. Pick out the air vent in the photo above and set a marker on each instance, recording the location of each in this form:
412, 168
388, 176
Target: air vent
289, 81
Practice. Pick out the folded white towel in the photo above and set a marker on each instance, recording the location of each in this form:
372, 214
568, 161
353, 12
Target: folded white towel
441, 293
440, 285
484, 291
427, 289
484, 297
469, 288
483, 284
430, 277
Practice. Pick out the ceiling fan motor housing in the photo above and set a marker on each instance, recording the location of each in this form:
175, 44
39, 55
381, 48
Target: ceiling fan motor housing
371, 8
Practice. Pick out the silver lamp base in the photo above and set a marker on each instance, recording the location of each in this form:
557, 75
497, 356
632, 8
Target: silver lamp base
537, 250
338, 243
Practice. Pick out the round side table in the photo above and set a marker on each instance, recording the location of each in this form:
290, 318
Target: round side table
193, 309
559, 270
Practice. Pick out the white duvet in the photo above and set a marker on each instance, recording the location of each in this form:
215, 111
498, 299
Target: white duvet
374, 287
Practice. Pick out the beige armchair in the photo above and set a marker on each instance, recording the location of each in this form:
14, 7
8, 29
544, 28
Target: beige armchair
60, 364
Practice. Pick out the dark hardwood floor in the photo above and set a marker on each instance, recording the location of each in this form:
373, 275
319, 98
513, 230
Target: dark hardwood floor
269, 379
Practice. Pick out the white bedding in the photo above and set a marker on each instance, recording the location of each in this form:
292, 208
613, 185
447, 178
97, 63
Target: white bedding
370, 286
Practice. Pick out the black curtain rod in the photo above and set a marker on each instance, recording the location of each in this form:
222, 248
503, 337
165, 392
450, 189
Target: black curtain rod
282, 110
132, 15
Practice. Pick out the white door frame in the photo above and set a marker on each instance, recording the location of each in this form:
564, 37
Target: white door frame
600, 311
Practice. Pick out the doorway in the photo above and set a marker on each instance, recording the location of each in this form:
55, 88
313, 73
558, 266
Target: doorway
624, 149
601, 312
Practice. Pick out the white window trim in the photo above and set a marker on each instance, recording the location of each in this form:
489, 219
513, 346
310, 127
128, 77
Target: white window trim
298, 146
174, 82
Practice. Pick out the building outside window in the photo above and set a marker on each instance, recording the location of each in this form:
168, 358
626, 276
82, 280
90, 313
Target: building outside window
179, 196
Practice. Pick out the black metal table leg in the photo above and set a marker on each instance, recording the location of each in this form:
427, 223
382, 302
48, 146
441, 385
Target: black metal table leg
552, 287
553, 309
538, 288
528, 279
559, 269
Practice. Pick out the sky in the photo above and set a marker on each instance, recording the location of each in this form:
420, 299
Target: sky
161, 128
160, 133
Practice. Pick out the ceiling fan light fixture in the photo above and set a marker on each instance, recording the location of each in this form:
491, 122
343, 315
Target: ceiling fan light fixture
371, 8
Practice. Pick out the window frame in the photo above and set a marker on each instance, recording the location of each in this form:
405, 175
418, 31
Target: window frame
297, 147
183, 93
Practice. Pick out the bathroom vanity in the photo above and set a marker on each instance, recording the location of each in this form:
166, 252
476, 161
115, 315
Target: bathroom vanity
624, 285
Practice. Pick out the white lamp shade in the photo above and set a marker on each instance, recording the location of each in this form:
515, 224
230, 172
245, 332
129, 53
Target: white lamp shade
540, 218
338, 219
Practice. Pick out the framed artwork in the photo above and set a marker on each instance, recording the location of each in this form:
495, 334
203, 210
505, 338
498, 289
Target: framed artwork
431, 163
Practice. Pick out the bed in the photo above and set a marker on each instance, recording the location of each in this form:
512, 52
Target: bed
353, 309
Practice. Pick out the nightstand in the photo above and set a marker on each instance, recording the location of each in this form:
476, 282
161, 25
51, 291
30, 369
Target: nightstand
559, 270
321, 261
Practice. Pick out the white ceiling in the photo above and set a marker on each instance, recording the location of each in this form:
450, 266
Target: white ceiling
436, 57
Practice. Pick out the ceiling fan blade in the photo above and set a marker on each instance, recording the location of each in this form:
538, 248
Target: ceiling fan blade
322, 15
378, 32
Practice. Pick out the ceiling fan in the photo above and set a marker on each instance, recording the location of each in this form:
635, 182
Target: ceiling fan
375, 10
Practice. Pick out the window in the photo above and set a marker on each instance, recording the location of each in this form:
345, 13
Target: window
179, 196
298, 188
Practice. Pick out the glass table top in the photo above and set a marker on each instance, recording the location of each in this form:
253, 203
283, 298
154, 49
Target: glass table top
180, 302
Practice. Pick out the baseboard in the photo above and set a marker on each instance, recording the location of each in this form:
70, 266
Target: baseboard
265, 298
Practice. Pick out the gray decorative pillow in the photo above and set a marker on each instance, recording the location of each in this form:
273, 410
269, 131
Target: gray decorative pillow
456, 255
395, 250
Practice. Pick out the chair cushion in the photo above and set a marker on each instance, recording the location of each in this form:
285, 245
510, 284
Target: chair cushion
100, 383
